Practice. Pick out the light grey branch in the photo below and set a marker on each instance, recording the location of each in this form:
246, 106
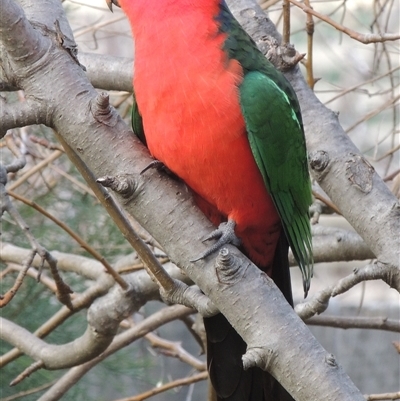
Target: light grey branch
356, 322
335, 244
89, 345
151, 323
21, 114
109, 73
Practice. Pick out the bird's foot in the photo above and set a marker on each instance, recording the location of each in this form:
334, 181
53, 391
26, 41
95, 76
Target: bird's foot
225, 234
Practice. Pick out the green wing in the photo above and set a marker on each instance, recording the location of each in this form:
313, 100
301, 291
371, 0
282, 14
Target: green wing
277, 141
137, 122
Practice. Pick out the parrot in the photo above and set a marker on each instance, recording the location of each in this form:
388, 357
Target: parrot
215, 112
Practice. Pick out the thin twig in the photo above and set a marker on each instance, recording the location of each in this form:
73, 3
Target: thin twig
356, 322
168, 386
363, 38
286, 22
383, 396
49, 159
28, 392
9, 295
175, 349
327, 202
310, 35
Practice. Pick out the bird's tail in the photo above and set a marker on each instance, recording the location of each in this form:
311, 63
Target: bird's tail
225, 348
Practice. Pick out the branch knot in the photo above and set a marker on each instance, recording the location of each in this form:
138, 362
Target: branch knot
102, 110
228, 267
260, 357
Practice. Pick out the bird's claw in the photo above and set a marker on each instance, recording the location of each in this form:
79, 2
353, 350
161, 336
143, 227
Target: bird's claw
225, 234
154, 164
111, 2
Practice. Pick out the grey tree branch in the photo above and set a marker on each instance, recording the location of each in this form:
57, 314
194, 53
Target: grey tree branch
149, 324
19, 114
356, 322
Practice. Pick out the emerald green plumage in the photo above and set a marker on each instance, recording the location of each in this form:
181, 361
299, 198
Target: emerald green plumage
278, 145
275, 131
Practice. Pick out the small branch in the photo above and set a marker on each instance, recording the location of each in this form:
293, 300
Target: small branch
83, 300
175, 349
196, 329
383, 396
376, 111
355, 322
314, 306
363, 38
375, 271
27, 372
168, 386
28, 392
9, 295
332, 244
310, 34
63, 290
149, 324
49, 159
21, 114
326, 201
286, 22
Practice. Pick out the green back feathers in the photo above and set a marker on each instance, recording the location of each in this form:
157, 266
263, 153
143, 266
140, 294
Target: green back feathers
275, 132
278, 145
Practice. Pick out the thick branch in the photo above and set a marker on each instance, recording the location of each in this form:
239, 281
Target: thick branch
109, 73
20, 114
89, 345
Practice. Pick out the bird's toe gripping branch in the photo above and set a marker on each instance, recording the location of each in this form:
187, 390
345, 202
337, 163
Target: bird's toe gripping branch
225, 234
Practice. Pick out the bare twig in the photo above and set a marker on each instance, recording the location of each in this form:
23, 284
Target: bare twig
49, 159
286, 22
9, 295
168, 386
310, 34
355, 322
363, 38
28, 392
383, 396
175, 349
374, 271
27, 372
327, 202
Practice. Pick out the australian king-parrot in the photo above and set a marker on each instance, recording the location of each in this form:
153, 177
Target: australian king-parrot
217, 113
